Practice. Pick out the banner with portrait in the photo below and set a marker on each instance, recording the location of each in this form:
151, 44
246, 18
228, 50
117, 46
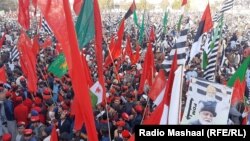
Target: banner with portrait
207, 103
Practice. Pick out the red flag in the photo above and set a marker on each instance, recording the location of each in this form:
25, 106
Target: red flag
184, 2
2, 40
58, 16
118, 48
158, 86
109, 58
77, 6
136, 56
148, 69
23, 66
128, 50
98, 41
87, 71
35, 47
54, 136
207, 19
3, 77
238, 92
28, 60
156, 116
170, 81
23, 14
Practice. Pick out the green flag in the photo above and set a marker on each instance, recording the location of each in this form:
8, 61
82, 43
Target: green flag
141, 31
204, 60
218, 30
240, 73
179, 23
59, 66
135, 19
85, 27
165, 21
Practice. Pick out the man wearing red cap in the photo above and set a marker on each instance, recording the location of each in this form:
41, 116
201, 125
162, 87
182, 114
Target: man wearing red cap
20, 129
37, 126
120, 127
28, 135
21, 111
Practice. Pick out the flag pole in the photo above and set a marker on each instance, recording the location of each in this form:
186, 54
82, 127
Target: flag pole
181, 93
144, 113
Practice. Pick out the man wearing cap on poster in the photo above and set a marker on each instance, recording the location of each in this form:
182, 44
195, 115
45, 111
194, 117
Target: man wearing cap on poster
206, 113
20, 129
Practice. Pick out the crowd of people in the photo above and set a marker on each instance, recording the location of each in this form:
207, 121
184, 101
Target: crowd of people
29, 116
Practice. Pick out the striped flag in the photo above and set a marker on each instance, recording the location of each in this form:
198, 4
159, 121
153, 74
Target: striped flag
181, 48
46, 28
209, 72
14, 54
227, 5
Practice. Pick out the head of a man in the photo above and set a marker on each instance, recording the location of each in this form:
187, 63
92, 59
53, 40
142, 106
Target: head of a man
207, 112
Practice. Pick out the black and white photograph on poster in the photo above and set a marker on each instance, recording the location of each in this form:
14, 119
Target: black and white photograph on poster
207, 103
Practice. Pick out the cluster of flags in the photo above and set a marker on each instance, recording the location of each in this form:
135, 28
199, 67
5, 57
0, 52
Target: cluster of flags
166, 94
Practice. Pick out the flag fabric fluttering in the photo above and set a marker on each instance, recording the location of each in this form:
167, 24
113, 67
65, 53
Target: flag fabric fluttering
181, 48
158, 86
128, 50
2, 40
184, 2
54, 135
59, 66
179, 22
45, 27
23, 13
165, 22
135, 18
238, 92
160, 115
175, 101
85, 27
29, 58
227, 5
148, 69
96, 92
240, 73
3, 77
204, 26
14, 54
58, 15
77, 6
141, 36
209, 71
130, 11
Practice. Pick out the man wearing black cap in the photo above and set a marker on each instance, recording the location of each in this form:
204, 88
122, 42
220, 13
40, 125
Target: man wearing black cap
206, 114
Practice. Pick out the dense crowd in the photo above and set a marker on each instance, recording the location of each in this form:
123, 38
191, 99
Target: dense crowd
29, 116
